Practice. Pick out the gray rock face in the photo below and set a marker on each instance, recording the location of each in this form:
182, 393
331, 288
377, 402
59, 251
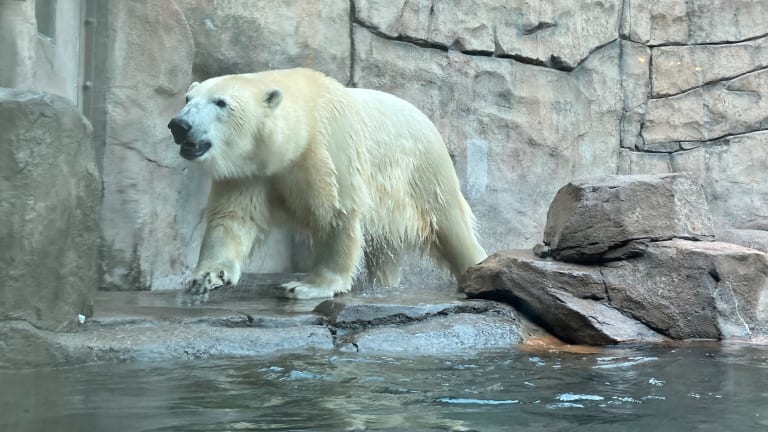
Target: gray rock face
704, 64
152, 201
568, 300
704, 21
749, 238
590, 220
687, 289
731, 170
708, 113
18, 34
49, 223
239, 36
560, 34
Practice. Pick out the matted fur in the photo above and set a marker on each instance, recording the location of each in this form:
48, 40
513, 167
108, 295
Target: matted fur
359, 170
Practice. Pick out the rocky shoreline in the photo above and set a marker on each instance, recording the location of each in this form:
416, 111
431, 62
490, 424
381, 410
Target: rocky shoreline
249, 320
625, 259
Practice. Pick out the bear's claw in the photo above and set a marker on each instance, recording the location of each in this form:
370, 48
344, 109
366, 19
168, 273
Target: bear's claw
208, 282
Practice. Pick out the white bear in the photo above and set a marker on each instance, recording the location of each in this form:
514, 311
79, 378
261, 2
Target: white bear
364, 173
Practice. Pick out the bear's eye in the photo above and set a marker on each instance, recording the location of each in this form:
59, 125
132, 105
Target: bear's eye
221, 103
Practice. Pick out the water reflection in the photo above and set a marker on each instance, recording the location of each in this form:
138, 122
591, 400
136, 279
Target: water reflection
692, 387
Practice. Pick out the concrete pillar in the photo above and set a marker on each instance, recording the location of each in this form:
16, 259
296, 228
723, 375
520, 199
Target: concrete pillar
18, 33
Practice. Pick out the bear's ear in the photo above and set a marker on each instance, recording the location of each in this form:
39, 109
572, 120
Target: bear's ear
192, 86
273, 97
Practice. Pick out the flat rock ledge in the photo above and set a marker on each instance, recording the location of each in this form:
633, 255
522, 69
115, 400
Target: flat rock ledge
249, 320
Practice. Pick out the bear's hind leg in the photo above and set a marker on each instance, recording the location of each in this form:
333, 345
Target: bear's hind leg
456, 243
336, 256
383, 263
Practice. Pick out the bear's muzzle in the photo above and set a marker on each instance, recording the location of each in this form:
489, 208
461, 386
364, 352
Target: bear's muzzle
180, 129
191, 151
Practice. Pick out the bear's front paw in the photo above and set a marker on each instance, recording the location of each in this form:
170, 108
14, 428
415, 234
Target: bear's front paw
303, 290
209, 281
315, 286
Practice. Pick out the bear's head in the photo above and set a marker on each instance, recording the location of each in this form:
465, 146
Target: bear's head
231, 125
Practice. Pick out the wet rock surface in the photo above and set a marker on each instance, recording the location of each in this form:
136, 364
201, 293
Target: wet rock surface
423, 324
249, 320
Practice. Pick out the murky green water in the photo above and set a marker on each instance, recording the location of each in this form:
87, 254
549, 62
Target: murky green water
689, 388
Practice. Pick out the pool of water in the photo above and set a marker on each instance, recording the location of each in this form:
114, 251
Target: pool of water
694, 387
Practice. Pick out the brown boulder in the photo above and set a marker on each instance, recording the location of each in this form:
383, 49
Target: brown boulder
568, 300
689, 289
598, 219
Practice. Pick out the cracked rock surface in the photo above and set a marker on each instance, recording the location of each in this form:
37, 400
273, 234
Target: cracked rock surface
249, 320
677, 289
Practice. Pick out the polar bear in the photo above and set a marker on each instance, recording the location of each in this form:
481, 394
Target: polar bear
364, 173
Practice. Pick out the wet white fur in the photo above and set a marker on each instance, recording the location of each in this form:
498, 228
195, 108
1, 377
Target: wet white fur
365, 173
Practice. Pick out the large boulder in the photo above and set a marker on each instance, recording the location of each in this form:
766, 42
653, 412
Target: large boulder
49, 212
689, 289
679, 289
569, 300
613, 217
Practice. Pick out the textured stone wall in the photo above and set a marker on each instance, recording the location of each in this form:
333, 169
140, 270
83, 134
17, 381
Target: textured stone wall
528, 96
49, 211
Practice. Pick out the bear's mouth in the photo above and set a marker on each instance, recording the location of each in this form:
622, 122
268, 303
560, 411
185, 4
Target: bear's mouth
192, 151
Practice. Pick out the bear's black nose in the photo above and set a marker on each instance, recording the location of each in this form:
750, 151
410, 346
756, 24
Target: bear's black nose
179, 129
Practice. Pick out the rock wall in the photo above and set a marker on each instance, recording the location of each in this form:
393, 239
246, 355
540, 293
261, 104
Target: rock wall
528, 96
49, 211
